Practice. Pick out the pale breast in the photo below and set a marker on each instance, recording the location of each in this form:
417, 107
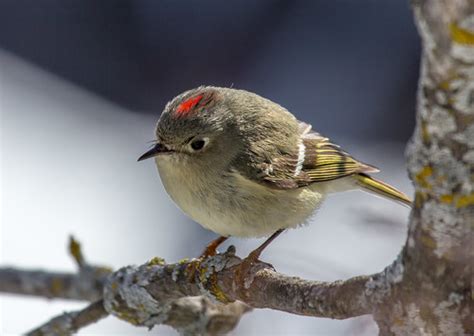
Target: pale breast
232, 205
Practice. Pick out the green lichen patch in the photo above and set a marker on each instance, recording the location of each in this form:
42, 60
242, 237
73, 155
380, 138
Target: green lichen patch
156, 261
461, 35
76, 251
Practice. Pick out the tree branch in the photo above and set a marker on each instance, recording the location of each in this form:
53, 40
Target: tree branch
189, 315
80, 286
185, 295
69, 323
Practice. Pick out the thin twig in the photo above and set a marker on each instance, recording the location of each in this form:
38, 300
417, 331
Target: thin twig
69, 323
73, 286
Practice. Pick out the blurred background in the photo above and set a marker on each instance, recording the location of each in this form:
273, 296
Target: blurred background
82, 84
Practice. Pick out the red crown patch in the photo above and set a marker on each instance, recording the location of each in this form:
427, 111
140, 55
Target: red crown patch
186, 107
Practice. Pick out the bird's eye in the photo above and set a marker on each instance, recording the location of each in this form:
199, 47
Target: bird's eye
198, 144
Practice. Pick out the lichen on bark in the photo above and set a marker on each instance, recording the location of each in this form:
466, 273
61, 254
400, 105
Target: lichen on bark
435, 296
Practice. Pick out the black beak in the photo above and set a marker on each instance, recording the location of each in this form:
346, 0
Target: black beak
158, 149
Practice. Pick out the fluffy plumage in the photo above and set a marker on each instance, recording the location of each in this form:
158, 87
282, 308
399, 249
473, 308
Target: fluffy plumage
259, 168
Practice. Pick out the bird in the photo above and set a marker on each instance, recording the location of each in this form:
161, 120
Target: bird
242, 165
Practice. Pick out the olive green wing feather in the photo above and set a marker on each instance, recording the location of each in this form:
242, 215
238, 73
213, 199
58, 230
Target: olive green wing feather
314, 160
325, 161
318, 160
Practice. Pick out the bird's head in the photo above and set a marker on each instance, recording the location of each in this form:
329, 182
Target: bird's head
196, 125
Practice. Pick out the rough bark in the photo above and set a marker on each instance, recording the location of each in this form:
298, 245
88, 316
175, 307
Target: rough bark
222, 278
123, 293
198, 296
70, 323
435, 295
427, 290
81, 286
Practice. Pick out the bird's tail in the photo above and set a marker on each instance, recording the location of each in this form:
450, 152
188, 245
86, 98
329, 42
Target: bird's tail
380, 188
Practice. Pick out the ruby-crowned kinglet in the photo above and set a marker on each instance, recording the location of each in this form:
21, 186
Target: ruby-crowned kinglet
242, 165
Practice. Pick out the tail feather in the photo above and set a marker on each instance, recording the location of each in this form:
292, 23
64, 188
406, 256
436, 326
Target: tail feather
381, 188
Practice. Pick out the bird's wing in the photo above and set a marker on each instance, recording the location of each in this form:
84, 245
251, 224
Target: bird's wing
315, 160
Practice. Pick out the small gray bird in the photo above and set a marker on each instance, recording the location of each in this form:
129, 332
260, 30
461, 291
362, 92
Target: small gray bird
241, 165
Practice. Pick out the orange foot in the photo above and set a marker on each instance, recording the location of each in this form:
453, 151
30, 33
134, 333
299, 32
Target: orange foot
211, 248
209, 251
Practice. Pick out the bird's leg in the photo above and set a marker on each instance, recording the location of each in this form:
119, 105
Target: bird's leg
246, 264
211, 248
255, 254
209, 251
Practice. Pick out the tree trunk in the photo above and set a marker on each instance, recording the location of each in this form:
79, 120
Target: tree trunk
435, 296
